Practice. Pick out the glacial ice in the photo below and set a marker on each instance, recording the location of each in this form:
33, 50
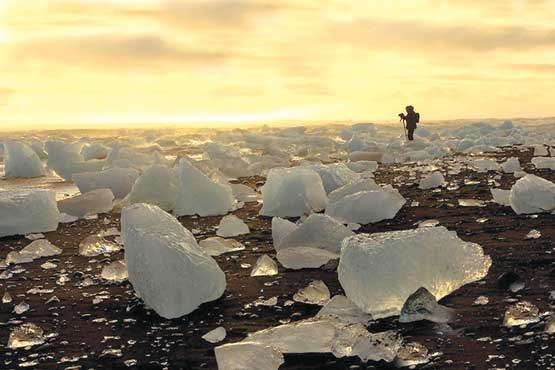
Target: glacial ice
486, 164
231, 226
215, 336
25, 335
158, 185
317, 231
265, 266
544, 163
501, 196
304, 257
335, 175
21, 161
511, 165
248, 356
199, 195
532, 194
380, 271
293, 192
24, 212
216, 246
412, 354
93, 202
280, 229
119, 180
367, 207
352, 188
167, 268
355, 340
521, 313
422, 305
40, 248
431, 181
344, 310
115, 271
95, 245
66, 159
95, 151
316, 292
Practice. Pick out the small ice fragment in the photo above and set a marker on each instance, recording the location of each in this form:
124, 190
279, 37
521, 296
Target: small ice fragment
301, 257
422, 305
216, 246
48, 265
21, 308
517, 286
521, 313
215, 336
266, 302
431, 181
40, 248
481, 301
115, 271
34, 236
428, 223
6, 298
501, 196
343, 309
412, 354
96, 201
265, 266
482, 220
25, 335
248, 356
315, 293
471, 203
534, 234
66, 219
231, 226
95, 245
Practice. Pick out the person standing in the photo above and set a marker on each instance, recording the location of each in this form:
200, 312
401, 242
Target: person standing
410, 119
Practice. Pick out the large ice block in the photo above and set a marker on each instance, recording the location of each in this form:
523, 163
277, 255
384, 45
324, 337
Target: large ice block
24, 212
119, 180
93, 202
532, 194
21, 161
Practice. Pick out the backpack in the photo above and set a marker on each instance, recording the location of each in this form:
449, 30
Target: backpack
417, 117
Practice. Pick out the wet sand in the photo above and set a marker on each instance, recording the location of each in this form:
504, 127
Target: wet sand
86, 330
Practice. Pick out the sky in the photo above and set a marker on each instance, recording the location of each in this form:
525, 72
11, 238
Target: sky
68, 63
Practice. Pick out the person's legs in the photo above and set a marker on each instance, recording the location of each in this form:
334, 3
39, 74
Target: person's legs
411, 133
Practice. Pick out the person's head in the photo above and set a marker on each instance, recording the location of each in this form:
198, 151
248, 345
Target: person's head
409, 108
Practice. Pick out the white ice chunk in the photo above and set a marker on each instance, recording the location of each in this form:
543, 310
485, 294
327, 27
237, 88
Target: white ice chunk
316, 292
511, 165
41, 248
280, 229
24, 212
544, 162
95, 151
25, 335
367, 207
158, 185
115, 271
432, 181
244, 193
119, 180
248, 356
199, 195
343, 309
216, 246
93, 202
293, 192
265, 266
501, 196
95, 245
230, 226
422, 305
532, 194
317, 231
21, 161
539, 150
303, 257
380, 271
521, 313
485, 164
215, 336
167, 268
352, 188
335, 175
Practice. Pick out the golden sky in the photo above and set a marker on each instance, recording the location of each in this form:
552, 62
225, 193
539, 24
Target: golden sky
65, 62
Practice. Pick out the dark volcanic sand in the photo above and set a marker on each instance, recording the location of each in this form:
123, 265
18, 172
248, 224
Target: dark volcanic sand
85, 329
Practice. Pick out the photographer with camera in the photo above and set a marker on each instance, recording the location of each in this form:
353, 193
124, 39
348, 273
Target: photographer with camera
409, 121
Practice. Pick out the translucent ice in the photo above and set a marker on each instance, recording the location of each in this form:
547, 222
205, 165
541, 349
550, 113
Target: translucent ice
265, 266
355, 340
501, 196
422, 305
521, 313
66, 159
21, 161
25, 335
95, 151
293, 192
93, 202
412, 354
315, 293
119, 180
352, 188
40, 248
534, 234
215, 336
342, 309
95, 245
230, 226
167, 268
511, 165
532, 194
431, 181
380, 271
248, 356
199, 195
317, 231
158, 185
485, 165
335, 175
115, 271
280, 229
216, 246
24, 212
544, 162
304, 257
367, 207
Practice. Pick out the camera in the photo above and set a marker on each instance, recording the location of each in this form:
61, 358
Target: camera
401, 115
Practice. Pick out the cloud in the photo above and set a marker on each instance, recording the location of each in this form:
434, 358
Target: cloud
412, 36
535, 68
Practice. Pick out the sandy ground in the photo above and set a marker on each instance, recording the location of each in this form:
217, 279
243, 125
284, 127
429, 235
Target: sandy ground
476, 340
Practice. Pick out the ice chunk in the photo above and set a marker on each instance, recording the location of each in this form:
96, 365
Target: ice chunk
215, 336
200, 195
293, 192
521, 313
485, 164
511, 165
539, 150
363, 166
24, 212
21, 161
355, 340
335, 175
265, 266
6, 298
501, 196
303, 257
380, 271
248, 356
158, 185
367, 206
95, 151
480, 301
471, 203
317, 231
216, 246
244, 193
66, 159
40, 248
432, 181
119, 180
352, 188
341, 308
95, 245
25, 335
115, 271
412, 354
315, 293
280, 229
21, 308
230, 226
532, 194
534, 234
544, 163
422, 305
93, 202
167, 268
